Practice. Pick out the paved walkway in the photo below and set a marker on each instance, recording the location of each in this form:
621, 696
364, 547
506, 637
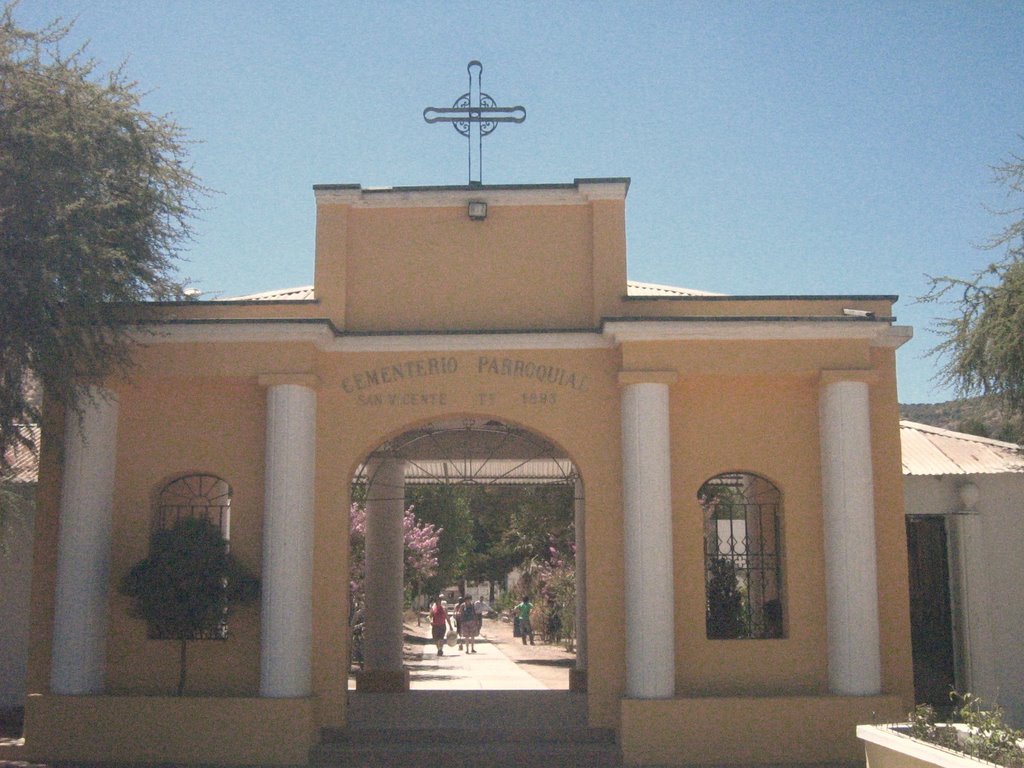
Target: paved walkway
501, 663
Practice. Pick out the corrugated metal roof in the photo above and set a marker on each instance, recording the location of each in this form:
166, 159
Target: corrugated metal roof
500, 471
633, 288
931, 450
302, 293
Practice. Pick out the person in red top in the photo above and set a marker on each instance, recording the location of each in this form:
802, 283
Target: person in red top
439, 623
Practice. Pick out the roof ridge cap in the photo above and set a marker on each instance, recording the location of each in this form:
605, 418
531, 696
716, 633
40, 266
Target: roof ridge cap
966, 436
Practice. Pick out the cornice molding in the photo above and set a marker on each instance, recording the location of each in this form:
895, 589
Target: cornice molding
579, 192
739, 329
325, 336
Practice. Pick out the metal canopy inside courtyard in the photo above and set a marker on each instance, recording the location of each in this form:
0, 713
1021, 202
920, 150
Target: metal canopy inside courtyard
470, 451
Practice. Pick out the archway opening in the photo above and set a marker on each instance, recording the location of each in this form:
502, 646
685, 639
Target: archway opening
477, 515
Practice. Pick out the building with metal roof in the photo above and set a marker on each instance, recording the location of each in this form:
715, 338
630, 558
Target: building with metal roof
964, 501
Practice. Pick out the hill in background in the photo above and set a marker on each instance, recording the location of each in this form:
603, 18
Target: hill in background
982, 416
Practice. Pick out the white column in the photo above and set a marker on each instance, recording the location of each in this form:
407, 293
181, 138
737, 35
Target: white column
647, 511
83, 547
581, 578
287, 583
973, 600
385, 565
848, 508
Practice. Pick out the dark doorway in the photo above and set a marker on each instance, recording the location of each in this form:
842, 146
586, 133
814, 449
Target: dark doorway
931, 620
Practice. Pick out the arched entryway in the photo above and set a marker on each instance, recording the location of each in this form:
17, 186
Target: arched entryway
484, 459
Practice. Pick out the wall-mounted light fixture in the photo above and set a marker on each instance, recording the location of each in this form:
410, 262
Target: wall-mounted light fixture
477, 210
969, 495
865, 313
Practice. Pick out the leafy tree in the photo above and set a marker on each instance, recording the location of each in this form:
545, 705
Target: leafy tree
483, 531
420, 545
447, 507
540, 517
983, 344
96, 195
187, 586
492, 558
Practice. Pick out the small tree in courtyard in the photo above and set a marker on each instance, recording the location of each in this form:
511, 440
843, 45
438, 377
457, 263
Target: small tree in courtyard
187, 586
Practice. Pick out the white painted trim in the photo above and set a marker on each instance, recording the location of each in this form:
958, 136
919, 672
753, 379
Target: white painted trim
683, 329
325, 340
915, 750
579, 193
615, 332
468, 342
216, 332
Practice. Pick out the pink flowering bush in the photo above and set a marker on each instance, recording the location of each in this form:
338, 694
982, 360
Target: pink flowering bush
554, 585
421, 549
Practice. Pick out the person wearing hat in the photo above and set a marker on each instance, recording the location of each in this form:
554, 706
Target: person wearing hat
440, 622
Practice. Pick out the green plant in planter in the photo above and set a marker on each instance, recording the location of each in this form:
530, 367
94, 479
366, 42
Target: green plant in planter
186, 587
725, 615
985, 735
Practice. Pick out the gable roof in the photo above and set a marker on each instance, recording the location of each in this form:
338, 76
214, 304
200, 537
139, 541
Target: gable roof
931, 450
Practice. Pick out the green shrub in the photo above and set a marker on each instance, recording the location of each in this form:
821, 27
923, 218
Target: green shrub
986, 735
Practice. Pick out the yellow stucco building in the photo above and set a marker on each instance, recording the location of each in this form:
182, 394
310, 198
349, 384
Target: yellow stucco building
506, 306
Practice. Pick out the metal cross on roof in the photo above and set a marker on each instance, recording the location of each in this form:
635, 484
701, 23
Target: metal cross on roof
475, 115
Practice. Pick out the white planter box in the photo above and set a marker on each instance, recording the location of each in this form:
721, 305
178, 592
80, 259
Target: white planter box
888, 748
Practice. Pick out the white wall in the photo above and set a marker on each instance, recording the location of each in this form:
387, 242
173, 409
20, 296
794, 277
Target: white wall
987, 574
15, 582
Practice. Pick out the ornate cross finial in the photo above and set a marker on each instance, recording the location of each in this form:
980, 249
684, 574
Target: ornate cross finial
475, 115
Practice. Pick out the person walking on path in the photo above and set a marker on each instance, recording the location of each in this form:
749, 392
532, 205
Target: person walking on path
523, 612
468, 622
458, 618
440, 622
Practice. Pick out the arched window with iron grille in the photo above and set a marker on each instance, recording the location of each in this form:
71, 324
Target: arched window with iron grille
742, 557
196, 496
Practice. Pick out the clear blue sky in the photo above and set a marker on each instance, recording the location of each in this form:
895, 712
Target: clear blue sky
774, 148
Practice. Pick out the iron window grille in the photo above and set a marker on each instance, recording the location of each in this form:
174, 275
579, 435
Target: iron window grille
742, 557
196, 496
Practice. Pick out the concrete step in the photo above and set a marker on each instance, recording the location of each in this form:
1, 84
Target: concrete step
477, 729
522, 749
465, 736
468, 709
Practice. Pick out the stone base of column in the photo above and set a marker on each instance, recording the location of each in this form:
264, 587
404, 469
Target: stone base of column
578, 680
382, 681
